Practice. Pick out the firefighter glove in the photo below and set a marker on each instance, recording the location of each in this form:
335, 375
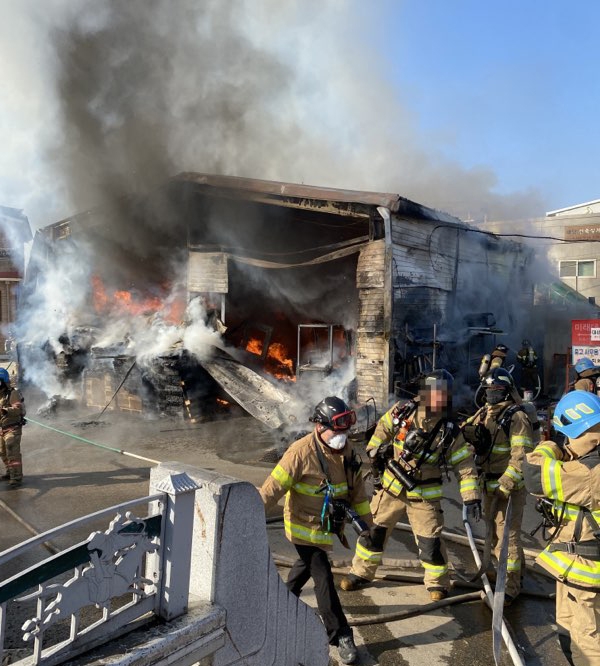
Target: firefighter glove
502, 493
474, 510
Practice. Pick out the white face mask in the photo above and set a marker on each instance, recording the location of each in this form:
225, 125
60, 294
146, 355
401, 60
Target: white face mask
337, 442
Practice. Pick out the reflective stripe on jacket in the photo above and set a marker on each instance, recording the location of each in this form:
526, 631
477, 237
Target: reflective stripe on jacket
571, 485
299, 477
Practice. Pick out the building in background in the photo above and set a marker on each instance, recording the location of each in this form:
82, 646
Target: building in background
577, 259
14, 233
567, 241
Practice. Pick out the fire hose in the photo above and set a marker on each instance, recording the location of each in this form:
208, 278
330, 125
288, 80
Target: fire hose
340, 567
89, 441
512, 649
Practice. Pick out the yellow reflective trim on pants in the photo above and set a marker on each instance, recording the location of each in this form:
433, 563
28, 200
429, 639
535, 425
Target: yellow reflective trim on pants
307, 534
362, 508
282, 477
501, 448
565, 568
368, 555
513, 565
437, 570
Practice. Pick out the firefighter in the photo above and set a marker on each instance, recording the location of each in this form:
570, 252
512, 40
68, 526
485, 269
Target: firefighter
12, 413
419, 496
494, 360
569, 478
587, 375
501, 434
527, 358
317, 469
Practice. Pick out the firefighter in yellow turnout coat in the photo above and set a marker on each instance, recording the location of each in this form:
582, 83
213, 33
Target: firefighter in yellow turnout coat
421, 503
323, 458
501, 434
569, 477
12, 413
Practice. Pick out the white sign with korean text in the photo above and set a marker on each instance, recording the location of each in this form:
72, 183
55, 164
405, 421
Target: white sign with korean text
593, 353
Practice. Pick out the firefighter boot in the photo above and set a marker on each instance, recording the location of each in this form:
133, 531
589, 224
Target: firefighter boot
438, 595
347, 651
351, 582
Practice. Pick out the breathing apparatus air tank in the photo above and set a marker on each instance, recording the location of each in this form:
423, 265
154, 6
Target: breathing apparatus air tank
484, 365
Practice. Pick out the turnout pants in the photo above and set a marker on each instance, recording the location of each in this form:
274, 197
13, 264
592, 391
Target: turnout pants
314, 563
425, 518
515, 550
578, 620
10, 453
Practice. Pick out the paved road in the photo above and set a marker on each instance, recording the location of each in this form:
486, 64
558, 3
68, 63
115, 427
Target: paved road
66, 478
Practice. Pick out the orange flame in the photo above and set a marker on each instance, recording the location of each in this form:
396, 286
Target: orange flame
277, 363
255, 346
123, 302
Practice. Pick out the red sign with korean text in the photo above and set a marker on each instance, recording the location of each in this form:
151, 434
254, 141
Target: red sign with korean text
585, 339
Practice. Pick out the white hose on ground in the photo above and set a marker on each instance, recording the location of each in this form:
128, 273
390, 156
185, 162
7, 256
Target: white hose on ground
512, 648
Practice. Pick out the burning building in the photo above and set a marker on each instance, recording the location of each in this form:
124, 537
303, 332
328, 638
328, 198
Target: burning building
216, 289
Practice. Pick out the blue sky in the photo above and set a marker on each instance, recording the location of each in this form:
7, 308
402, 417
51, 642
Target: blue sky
510, 85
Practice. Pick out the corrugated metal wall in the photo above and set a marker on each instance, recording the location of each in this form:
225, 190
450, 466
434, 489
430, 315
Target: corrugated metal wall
439, 273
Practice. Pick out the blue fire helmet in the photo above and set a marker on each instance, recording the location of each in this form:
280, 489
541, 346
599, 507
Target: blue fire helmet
576, 412
584, 364
4, 376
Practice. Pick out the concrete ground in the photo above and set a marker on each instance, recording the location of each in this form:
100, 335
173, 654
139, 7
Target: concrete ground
66, 478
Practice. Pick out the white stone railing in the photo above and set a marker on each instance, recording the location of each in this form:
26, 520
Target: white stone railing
198, 567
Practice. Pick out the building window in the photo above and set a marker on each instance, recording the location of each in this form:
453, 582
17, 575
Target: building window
577, 268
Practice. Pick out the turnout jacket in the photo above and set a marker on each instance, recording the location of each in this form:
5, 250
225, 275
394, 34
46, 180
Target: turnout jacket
585, 384
12, 409
573, 486
299, 476
429, 475
502, 464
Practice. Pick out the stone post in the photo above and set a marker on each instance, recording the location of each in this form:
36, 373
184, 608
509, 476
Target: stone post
176, 542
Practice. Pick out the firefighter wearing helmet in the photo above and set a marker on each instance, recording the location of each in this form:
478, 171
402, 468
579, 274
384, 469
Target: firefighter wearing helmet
12, 413
587, 375
320, 475
568, 478
501, 434
413, 446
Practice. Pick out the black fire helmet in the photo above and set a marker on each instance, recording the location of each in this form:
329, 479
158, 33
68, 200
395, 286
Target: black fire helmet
334, 413
499, 378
